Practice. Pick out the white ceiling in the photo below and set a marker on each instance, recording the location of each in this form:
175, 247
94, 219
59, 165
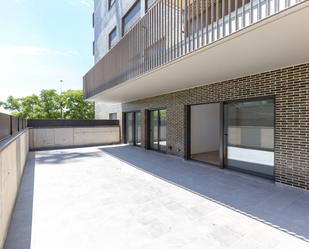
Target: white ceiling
273, 43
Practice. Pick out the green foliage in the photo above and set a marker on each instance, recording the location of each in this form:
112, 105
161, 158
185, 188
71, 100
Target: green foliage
49, 104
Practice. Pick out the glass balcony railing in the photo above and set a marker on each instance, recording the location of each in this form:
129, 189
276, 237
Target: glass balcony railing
172, 29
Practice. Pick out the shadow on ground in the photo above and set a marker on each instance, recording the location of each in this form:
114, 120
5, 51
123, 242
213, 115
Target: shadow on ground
19, 234
60, 156
281, 207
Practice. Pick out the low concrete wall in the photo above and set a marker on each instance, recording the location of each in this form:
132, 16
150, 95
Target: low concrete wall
13, 156
48, 138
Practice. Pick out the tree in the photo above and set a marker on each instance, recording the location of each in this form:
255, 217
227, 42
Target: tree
48, 105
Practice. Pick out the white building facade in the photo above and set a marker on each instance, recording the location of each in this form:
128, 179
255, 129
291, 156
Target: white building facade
111, 20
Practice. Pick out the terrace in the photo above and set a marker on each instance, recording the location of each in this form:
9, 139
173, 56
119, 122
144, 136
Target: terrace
125, 197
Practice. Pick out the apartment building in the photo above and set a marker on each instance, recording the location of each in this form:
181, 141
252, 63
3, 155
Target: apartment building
225, 82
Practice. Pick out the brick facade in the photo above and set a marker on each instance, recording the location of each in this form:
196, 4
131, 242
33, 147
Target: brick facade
289, 86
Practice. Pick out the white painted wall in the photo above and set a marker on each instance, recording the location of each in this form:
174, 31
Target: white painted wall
205, 128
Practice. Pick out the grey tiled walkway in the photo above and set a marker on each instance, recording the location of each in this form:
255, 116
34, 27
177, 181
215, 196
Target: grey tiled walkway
125, 197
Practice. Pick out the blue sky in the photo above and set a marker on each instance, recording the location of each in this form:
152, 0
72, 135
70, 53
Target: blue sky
43, 41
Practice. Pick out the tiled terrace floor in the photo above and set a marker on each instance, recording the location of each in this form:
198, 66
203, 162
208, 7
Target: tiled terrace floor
125, 197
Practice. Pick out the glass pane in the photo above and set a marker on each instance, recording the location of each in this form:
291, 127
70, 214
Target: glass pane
154, 129
113, 116
129, 127
131, 17
250, 135
113, 38
162, 130
138, 128
149, 3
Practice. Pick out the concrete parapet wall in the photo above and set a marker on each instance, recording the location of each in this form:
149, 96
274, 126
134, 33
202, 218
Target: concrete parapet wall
48, 138
13, 157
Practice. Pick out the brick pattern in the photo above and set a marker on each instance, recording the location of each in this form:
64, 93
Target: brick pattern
290, 86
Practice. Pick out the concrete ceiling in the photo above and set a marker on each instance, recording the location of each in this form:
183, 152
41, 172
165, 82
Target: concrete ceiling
275, 42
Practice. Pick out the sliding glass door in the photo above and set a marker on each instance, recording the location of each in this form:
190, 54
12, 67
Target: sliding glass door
129, 127
157, 129
249, 136
133, 128
138, 129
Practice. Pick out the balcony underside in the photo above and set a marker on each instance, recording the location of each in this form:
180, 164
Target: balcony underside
278, 41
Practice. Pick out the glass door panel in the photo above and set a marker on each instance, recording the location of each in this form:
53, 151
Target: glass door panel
162, 130
158, 130
249, 136
154, 135
138, 129
129, 128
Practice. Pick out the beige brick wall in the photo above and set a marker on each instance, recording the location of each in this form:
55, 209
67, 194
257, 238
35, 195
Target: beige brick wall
290, 86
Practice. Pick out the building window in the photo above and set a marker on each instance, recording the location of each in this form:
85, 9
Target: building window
149, 3
131, 17
93, 20
111, 3
113, 116
249, 128
157, 129
112, 38
133, 128
93, 48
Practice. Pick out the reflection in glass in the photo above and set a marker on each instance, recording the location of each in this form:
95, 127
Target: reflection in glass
154, 130
131, 17
129, 128
138, 129
249, 127
162, 130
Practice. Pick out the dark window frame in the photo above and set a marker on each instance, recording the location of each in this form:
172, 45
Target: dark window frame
134, 132
187, 142
126, 14
158, 131
111, 3
147, 6
109, 37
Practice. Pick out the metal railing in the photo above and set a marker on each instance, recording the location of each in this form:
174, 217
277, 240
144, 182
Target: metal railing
56, 123
172, 29
10, 125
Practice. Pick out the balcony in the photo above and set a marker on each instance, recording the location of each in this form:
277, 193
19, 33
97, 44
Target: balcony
242, 37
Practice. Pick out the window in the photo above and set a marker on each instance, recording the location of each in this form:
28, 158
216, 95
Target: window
157, 130
133, 128
93, 20
93, 48
250, 129
113, 116
111, 3
149, 3
112, 38
131, 17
